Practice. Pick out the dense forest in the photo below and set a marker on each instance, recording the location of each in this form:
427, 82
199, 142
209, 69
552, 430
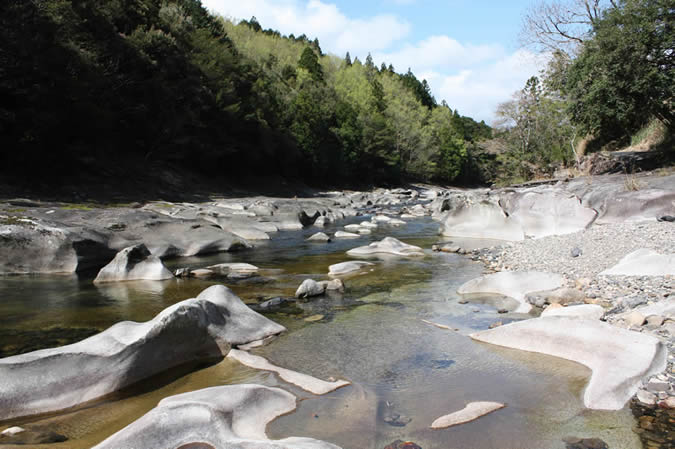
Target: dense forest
87, 84
610, 85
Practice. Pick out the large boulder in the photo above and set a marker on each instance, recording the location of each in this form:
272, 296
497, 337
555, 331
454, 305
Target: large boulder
514, 284
643, 262
232, 417
388, 245
481, 219
134, 264
179, 238
619, 359
548, 212
36, 246
54, 379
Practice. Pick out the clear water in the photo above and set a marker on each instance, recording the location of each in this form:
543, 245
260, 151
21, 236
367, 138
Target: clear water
373, 336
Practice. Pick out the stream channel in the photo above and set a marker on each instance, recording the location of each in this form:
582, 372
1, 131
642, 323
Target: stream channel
373, 335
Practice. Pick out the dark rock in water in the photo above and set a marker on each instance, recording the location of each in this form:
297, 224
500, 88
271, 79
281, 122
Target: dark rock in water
576, 252
584, 443
273, 303
196, 446
669, 218
399, 444
33, 436
502, 311
397, 420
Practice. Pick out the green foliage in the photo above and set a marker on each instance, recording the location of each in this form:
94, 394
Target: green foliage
164, 81
625, 74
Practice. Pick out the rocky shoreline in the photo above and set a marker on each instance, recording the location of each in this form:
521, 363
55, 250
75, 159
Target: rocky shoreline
564, 240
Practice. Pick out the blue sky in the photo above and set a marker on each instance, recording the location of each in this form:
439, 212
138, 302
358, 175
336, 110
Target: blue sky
467, 50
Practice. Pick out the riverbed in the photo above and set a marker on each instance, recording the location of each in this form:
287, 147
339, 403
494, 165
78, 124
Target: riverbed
405, 372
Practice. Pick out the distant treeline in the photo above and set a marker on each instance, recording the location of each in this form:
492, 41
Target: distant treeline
85, 84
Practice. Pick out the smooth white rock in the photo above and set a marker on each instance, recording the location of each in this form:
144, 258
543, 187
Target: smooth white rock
304, 381
342, 268
134, 263
514, 284
319, 237
471, 412
352, 227
584, 311
346, 235
58, 378
12, 431
619, 358
643, 262
483, 220
388, 245
232, 417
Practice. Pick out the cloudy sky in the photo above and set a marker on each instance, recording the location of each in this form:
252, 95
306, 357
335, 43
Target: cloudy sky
467, 50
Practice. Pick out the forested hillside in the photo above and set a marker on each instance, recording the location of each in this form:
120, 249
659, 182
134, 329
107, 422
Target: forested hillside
87, 84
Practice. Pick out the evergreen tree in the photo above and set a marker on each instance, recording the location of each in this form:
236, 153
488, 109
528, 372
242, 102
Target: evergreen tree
310, 62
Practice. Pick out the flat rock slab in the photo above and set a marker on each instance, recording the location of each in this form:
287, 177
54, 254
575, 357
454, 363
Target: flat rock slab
134, 263
235, 270
343, 268
585, 312
643, 262
346, 235
233, 417
471, 412
388, 245
304, 381
514, 284
54, 379
619, 359
482, 220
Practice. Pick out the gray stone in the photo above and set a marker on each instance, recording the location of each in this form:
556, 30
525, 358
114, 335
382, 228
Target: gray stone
133, 264
646, 397
233, 417
203, 327
576, 252
310, 287
656, 385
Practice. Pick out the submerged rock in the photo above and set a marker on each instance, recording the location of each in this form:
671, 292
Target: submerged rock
343, 268
233, 417
235, 270
203, 327
584, 443
133, 264
304, 381
471, 412
30, 436
619, 359
399, 444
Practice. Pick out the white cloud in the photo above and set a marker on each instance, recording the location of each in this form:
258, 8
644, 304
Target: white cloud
439, 52
337, 33
477, 91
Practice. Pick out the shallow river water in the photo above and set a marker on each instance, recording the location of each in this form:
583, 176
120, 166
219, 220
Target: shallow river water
373, 335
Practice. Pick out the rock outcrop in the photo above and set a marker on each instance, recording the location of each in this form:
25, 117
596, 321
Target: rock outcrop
232, 417
619, 359
134, 263
54, 379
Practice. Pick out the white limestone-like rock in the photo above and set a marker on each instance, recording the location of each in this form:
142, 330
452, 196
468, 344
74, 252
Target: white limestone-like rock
388, 245
352, 227
54, 379
471, 412
514, 284
483, 220
346, 235
236, 270
232, 417
643, 262
310, 287
304, 381
340, 269
319, 237
584, 311
133, 264
619, 359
